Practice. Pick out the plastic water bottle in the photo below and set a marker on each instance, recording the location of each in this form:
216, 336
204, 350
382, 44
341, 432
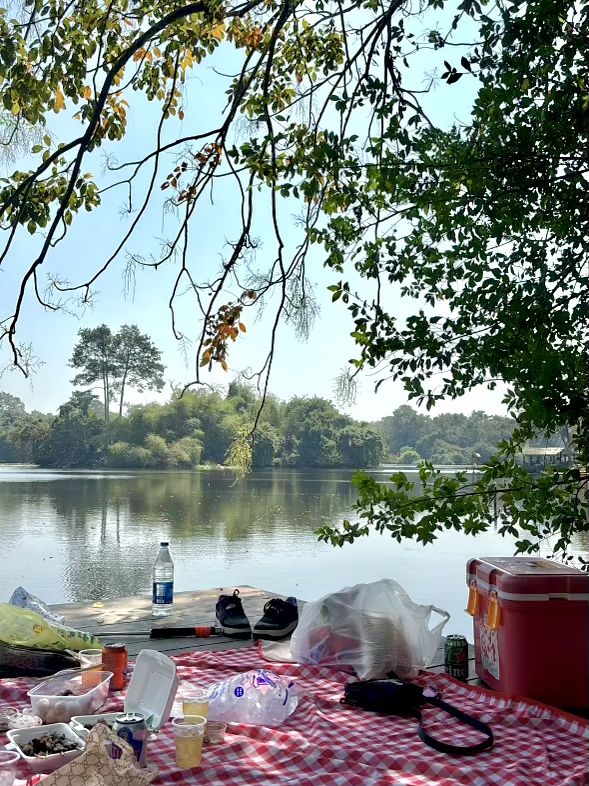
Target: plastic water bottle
163, 582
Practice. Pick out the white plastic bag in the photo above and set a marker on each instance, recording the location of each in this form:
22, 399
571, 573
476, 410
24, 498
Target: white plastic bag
374, 628
258, 697
26, 600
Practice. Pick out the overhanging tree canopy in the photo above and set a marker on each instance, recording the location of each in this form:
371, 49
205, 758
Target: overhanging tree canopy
484, 223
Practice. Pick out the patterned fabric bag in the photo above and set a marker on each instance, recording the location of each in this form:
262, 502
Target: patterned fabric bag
97, 767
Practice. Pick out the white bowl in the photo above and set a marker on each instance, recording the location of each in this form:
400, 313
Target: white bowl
79, 722
52, 762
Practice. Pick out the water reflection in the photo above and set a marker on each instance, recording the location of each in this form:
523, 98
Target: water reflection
100, 523
71, 536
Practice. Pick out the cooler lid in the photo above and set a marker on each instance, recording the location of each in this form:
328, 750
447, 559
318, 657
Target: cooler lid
153, 687
529, 576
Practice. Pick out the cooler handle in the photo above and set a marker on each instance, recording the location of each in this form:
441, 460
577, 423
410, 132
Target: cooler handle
493, 612
473, 605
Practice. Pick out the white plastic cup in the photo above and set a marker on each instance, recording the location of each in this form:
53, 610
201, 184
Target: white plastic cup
215, 732
91, 662
8, 762
188, 734
7, 715
89, 658
195, 701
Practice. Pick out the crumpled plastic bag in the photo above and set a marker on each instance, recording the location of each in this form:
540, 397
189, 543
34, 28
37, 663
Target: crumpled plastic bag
258, 697
26, 600
374, 628
25, 628
97, 766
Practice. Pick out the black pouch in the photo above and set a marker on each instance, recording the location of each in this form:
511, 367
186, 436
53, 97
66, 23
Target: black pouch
396, 697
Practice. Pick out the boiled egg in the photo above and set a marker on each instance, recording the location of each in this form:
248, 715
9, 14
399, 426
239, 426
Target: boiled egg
43, 708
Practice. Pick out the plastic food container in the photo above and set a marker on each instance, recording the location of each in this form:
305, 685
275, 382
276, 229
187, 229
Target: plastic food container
11, 718
6, 715
52, 762
79, 723
531, 628
49, 703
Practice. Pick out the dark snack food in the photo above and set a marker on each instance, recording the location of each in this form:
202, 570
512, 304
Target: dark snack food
47, 745
90, 726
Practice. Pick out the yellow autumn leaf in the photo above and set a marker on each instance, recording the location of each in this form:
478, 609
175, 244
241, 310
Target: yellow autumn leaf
15, 108
255, 38
58, 101
218, 31
87, 92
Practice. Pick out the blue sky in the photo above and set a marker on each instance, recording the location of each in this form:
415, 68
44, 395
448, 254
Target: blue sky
300, 369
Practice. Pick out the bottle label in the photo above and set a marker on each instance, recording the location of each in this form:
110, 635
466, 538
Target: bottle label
163, 592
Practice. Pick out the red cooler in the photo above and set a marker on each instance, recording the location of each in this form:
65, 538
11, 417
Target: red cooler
531, 628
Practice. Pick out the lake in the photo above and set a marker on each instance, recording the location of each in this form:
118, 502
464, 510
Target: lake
92, 535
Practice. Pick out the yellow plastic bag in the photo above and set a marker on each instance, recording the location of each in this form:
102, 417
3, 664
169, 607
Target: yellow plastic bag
25, 628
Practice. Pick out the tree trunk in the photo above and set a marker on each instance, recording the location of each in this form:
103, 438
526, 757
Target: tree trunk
105, 393
124, 379
565, 435
121, 400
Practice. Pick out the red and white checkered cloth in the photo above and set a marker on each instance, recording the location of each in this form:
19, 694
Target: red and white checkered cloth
326, 744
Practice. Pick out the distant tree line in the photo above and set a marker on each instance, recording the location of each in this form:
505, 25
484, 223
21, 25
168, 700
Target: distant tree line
192, 429
409, 436
200, 427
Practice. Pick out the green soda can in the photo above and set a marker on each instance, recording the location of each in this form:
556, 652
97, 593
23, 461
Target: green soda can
456, 657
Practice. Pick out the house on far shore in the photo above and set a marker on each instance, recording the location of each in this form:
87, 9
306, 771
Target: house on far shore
536, 459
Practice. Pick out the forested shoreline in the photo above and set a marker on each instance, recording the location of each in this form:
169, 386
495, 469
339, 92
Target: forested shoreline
199, 428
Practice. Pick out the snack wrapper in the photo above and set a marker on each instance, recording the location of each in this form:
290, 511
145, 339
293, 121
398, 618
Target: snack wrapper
25, 628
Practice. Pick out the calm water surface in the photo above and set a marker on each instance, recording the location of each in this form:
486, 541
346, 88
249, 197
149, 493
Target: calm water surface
69, 536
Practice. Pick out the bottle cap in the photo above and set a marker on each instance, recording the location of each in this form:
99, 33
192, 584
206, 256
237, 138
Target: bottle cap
165, 543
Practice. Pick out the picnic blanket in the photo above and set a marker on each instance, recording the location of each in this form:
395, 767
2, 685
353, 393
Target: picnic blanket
325, 743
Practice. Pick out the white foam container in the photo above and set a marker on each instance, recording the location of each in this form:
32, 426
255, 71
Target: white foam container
52, 762
51, 707
153, 687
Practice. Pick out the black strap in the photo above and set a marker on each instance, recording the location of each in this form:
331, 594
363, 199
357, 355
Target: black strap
445, 747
